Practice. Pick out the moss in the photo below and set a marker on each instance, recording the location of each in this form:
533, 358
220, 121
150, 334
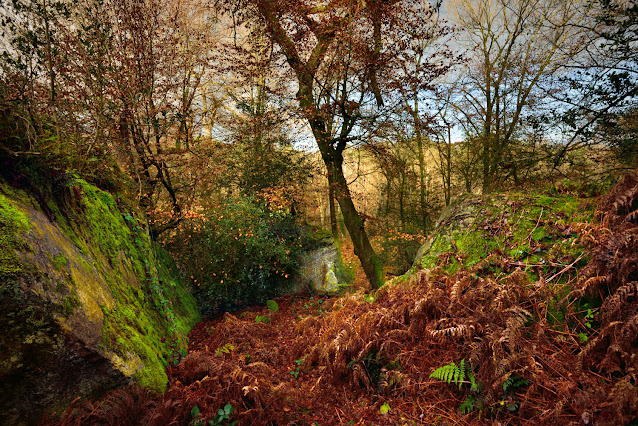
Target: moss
105, 227
533, 230
132, 334
59, 261
173, 287
440, 244
147, 311
70, 303
153, 319
12, 222
11, 216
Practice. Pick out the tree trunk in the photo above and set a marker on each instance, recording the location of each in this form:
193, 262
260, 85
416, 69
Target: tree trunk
333, 159
448, 177
402, 200
333, 211
487, 153
422, 188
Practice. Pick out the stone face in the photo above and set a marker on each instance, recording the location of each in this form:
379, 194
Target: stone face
88, 303
317, 270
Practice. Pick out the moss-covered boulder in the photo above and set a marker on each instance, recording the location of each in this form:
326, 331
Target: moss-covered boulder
534, 232
88, 302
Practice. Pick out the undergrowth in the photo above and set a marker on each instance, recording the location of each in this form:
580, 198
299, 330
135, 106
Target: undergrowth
480, 344
240, 253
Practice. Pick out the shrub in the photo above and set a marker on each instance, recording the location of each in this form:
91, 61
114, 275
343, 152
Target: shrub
243, 253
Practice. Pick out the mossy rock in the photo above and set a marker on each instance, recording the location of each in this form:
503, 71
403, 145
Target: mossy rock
536, 233
89, 302
316, 271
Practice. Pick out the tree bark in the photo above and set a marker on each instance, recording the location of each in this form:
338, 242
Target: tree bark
355, 225
333, 211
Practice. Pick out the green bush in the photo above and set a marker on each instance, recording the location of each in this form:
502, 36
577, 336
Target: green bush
243, 253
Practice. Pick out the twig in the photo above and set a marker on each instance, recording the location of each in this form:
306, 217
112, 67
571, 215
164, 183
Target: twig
537, 222
571, 265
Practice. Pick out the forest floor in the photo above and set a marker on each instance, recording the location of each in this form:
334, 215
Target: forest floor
541, 331
259, 335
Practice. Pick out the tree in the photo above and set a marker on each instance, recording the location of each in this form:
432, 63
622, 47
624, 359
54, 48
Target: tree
443, 144
519, 47
30, 63
334, 51
604, 79
133, 76
122, 82
420, 59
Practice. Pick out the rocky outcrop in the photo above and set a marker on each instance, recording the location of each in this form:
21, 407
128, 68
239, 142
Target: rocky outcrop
525, 229
317, 269
88, 302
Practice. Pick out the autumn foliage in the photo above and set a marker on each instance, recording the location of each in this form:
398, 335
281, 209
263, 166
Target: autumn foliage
535, 354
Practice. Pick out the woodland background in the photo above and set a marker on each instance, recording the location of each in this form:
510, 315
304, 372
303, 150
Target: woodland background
251, 131
366, 118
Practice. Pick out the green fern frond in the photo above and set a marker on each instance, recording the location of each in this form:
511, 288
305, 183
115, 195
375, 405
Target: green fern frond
445, 373
468, 405
514, 382
473, 383
456, 374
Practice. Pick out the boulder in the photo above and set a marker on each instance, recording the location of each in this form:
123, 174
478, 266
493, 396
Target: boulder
89, 303
522, 228
317, 269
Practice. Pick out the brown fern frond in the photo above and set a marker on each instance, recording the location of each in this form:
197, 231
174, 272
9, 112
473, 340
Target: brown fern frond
459, 287
360, 376
624, 398
622, 199
587, 288
614, 307
514, 330
424, 310
445, 329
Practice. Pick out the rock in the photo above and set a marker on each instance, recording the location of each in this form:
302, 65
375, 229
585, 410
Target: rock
317, 269
524, 229
88, 303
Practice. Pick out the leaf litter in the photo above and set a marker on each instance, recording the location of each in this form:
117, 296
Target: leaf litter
546, 343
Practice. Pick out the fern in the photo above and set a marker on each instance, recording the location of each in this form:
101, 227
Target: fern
468, 405
226, 349
456, 374
513, 382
